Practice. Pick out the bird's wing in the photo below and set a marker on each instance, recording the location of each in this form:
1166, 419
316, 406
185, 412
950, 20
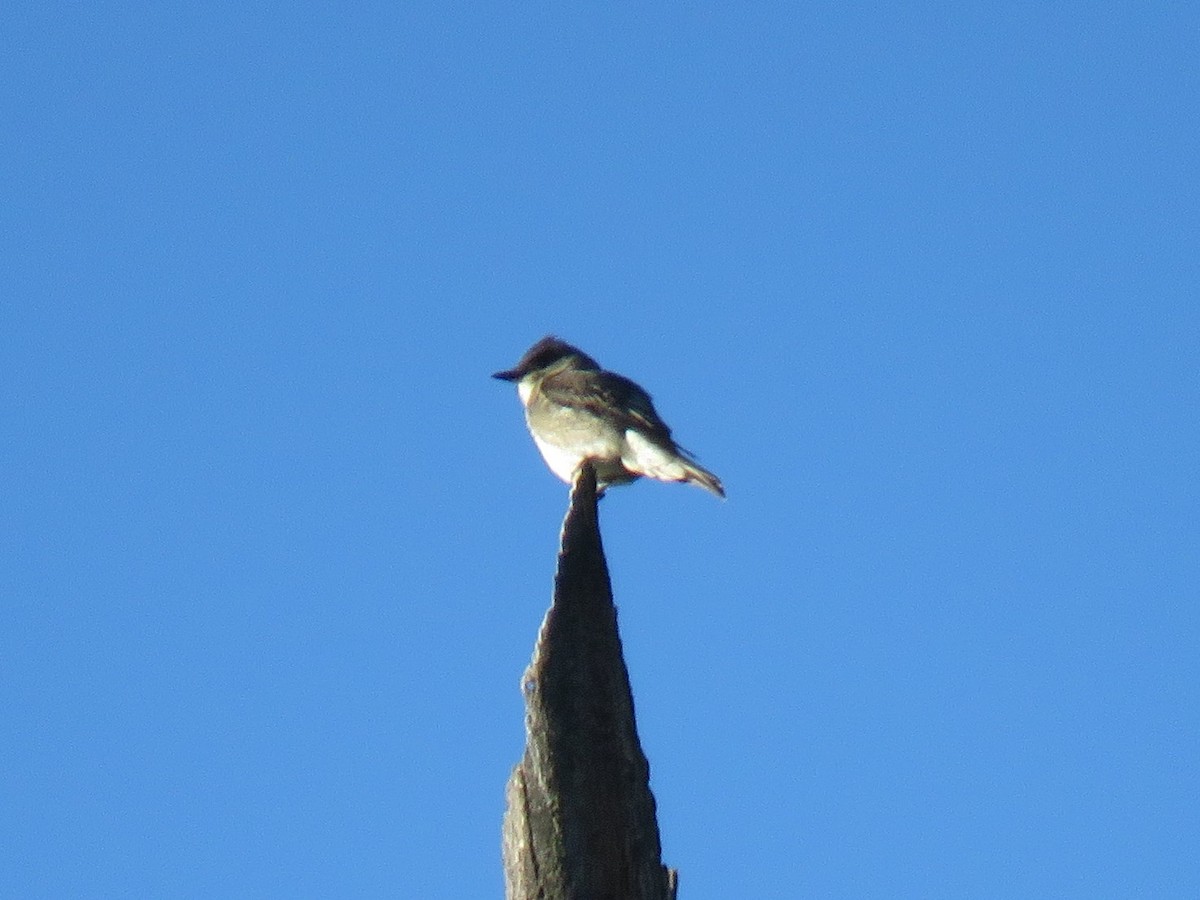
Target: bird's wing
611, 396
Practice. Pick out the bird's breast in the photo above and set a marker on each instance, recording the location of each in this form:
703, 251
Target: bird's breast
566, 435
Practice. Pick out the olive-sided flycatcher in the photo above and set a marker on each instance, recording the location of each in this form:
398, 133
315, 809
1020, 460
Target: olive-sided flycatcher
577, 411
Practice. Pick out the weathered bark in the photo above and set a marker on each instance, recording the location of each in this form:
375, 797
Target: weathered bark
580, 822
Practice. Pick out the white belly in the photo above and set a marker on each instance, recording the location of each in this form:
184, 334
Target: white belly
562, 463
607, 460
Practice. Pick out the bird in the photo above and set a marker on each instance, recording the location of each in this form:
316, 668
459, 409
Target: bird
578, 411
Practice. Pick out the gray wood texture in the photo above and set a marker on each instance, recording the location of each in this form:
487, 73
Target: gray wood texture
580, 820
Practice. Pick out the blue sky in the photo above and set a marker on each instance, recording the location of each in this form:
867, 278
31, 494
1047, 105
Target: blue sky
917, 281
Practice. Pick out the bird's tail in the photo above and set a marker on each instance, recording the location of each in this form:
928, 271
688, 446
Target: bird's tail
698, 475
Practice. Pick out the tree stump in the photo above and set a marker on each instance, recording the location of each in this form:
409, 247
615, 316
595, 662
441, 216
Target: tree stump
580, 821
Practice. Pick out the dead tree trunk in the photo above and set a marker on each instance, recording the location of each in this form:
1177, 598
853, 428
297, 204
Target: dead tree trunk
580, 822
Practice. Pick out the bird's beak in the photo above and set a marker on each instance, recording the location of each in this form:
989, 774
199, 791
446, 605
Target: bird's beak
510, 375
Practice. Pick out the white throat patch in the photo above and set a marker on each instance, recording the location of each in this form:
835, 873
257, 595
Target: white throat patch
524, 389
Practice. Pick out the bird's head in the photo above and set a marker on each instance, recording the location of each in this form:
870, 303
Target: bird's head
547, 354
